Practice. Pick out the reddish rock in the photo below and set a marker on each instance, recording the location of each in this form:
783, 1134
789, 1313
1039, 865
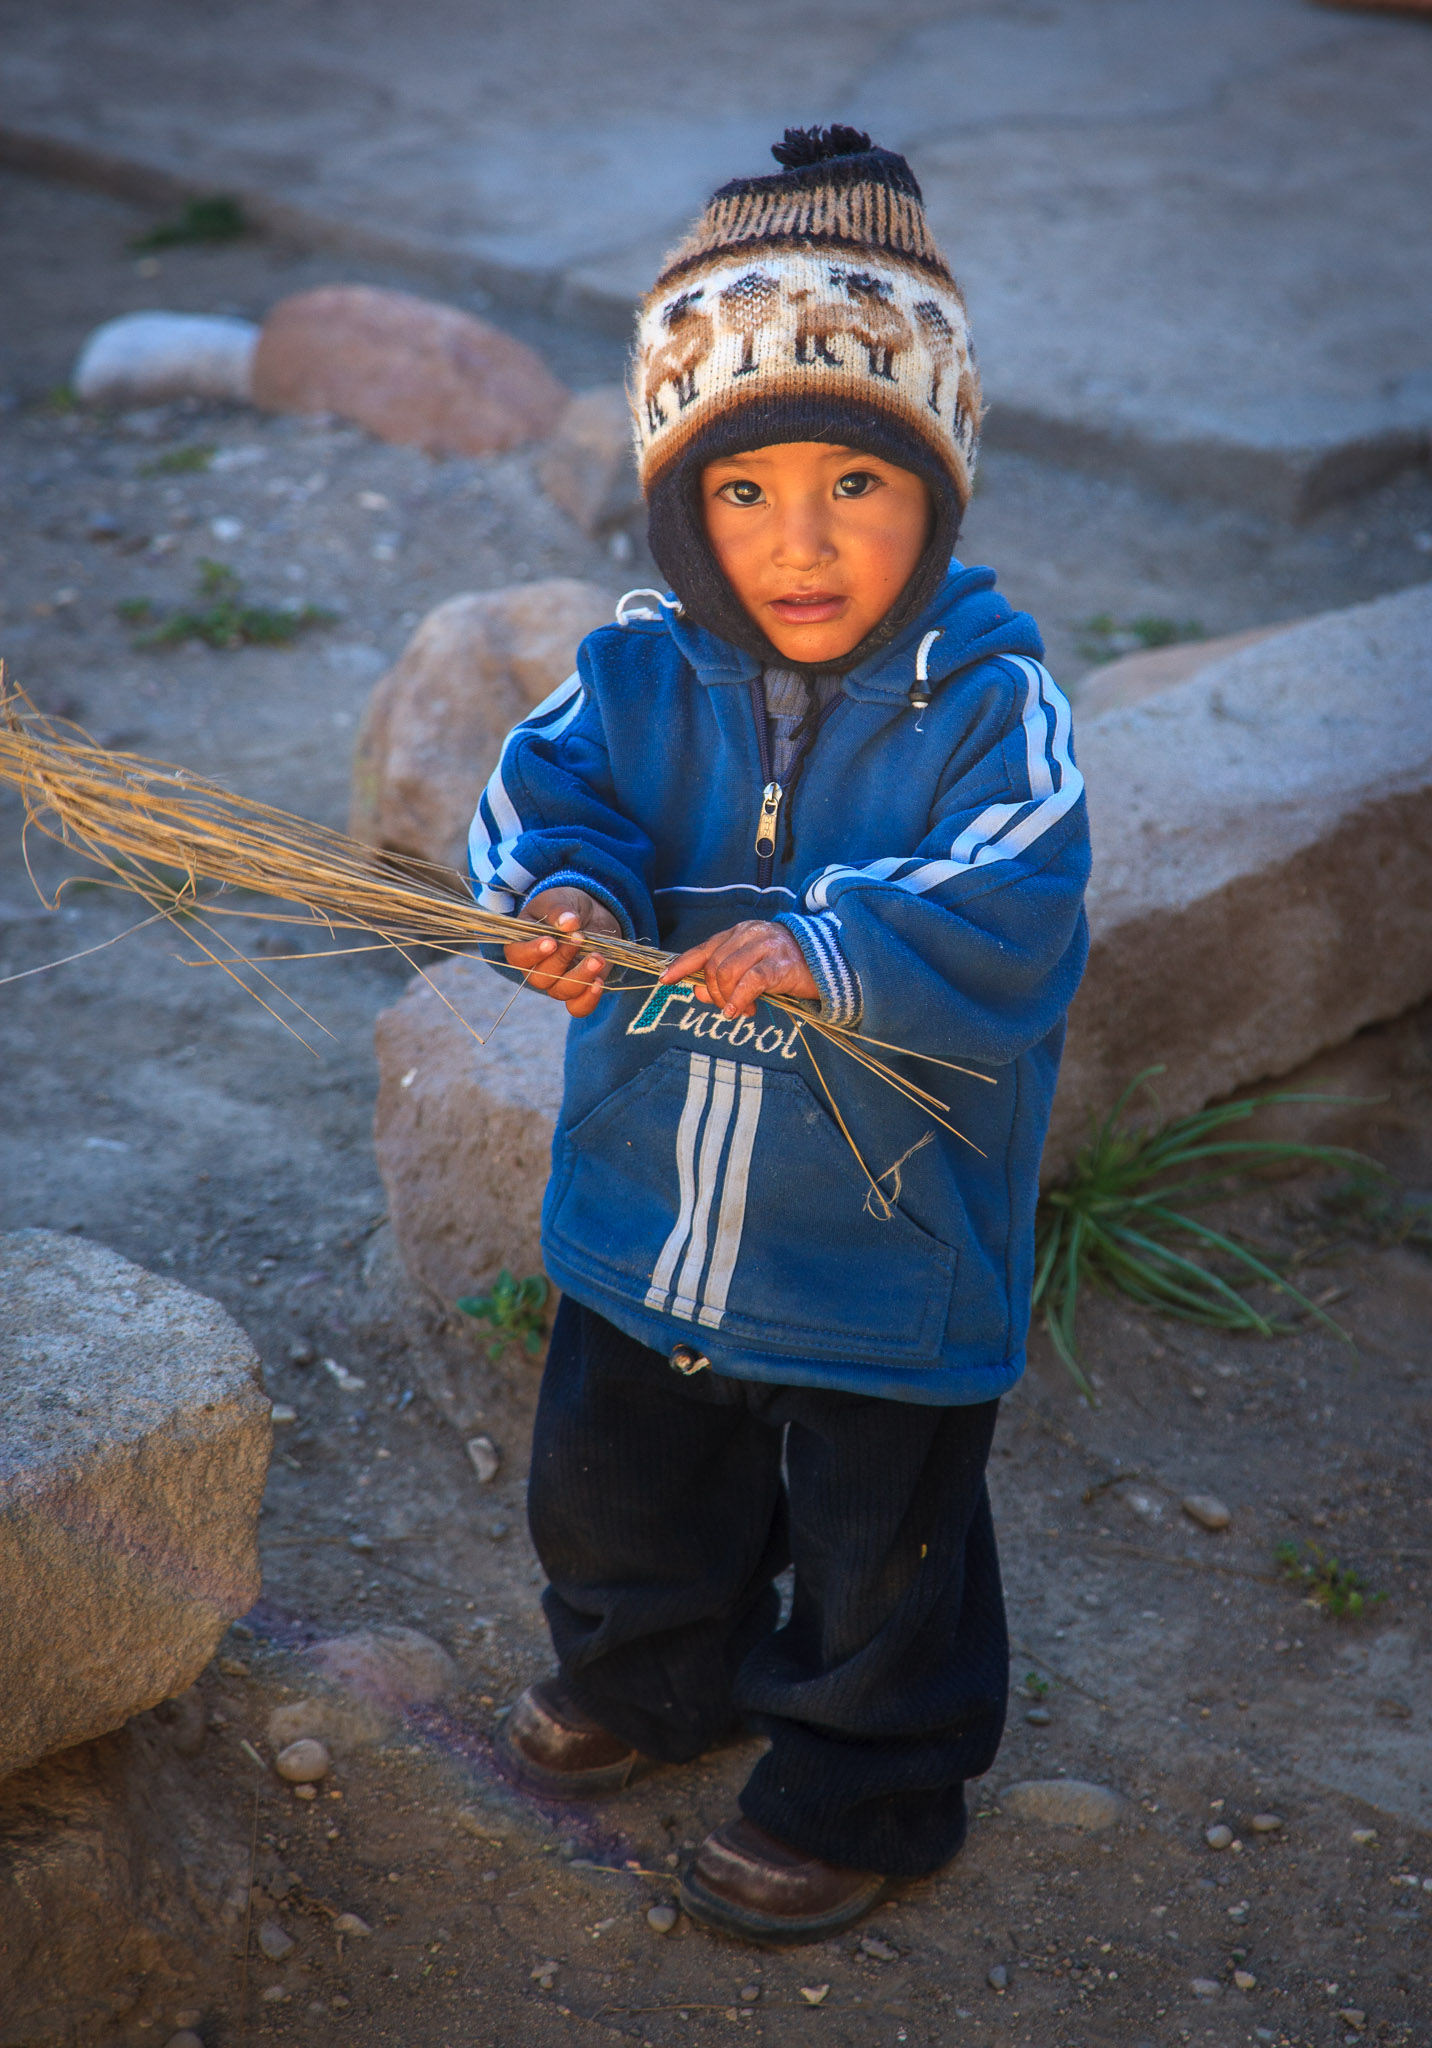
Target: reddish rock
463, 1128
434, 726
587, 467
407, 369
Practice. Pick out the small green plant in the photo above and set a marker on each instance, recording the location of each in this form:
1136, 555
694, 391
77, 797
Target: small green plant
1036, 1687
514, 1309
190, 460
1334, 1587
225, 622
1103, 637
216, 218
60, 398
1120, 1221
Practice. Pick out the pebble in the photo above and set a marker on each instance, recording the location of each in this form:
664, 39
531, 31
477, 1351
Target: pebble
1244, 1980
1366, 1838
302, 1354
1204, 1987
274, 1942
1353, 2016
814, 1994
352, 1925
750, 1993
998, 1978
282, 1416
661, 1919
273, 1994
1207, 1510
486, 1458
305, 1791
1266, 1823
304, 1762
1219, 1836
1039, 1717
1062, 1802
350, 1382
872, 1945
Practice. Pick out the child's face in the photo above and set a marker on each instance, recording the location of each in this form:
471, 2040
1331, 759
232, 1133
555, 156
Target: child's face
817, 541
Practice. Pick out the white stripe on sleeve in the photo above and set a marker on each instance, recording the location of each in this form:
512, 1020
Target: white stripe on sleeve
1002, 831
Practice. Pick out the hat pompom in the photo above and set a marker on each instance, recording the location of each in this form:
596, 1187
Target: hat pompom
802, 146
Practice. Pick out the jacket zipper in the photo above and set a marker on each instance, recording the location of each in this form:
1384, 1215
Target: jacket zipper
766, 827
771, 792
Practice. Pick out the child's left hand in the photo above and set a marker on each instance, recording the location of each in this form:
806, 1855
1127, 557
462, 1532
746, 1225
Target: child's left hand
735, 967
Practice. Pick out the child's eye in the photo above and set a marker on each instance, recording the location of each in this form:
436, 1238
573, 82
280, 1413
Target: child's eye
741, 491
856, 483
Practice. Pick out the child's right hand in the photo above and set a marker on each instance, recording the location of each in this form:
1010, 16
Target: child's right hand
557, 967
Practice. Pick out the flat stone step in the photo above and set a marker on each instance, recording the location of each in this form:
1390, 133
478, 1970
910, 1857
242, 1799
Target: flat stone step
1184, 232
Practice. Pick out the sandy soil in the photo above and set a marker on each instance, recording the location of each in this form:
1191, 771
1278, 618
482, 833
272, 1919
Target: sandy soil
153, 1106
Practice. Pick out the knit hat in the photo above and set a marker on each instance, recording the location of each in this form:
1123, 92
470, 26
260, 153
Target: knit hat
810, 305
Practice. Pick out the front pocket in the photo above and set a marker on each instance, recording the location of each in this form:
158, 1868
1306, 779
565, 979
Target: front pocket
720, 1192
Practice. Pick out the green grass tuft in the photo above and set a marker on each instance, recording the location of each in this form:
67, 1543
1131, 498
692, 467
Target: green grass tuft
514, 1309
1120, 1221
1334, 1587
1104, 638
190, 460
225, 623
216, 218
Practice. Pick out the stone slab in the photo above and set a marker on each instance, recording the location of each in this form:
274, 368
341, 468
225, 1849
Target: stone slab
1262, 882
1189, 235
463, 1125
132, 1466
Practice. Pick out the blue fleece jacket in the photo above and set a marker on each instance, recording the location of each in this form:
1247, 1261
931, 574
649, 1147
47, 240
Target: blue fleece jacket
702, 1190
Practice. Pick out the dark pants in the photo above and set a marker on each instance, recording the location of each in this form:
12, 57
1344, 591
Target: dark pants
659, 1511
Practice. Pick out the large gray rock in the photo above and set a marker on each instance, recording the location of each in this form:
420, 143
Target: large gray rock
435, 724
463, 1128
132, 1465
1262, 880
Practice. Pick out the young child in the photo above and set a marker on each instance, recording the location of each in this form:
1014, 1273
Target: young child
830, 767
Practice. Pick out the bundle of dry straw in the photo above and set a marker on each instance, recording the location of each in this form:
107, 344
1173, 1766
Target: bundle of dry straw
193, 852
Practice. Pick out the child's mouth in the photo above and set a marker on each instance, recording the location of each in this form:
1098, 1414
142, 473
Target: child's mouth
810, 608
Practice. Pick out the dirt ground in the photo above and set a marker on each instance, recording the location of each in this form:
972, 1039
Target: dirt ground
154, 1107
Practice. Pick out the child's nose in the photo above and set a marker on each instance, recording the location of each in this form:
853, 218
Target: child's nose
803, 539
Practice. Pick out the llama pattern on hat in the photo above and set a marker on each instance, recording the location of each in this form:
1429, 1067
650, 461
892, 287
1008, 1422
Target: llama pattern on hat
805, 326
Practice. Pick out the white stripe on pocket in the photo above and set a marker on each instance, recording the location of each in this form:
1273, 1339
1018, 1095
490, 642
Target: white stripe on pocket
732, 1217
697, 1088
723, 1096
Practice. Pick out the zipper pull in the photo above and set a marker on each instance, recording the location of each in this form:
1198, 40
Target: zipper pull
766, 828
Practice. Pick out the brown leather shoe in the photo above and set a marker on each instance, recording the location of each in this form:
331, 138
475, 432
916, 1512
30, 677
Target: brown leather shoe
742, 1881
549, 1744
